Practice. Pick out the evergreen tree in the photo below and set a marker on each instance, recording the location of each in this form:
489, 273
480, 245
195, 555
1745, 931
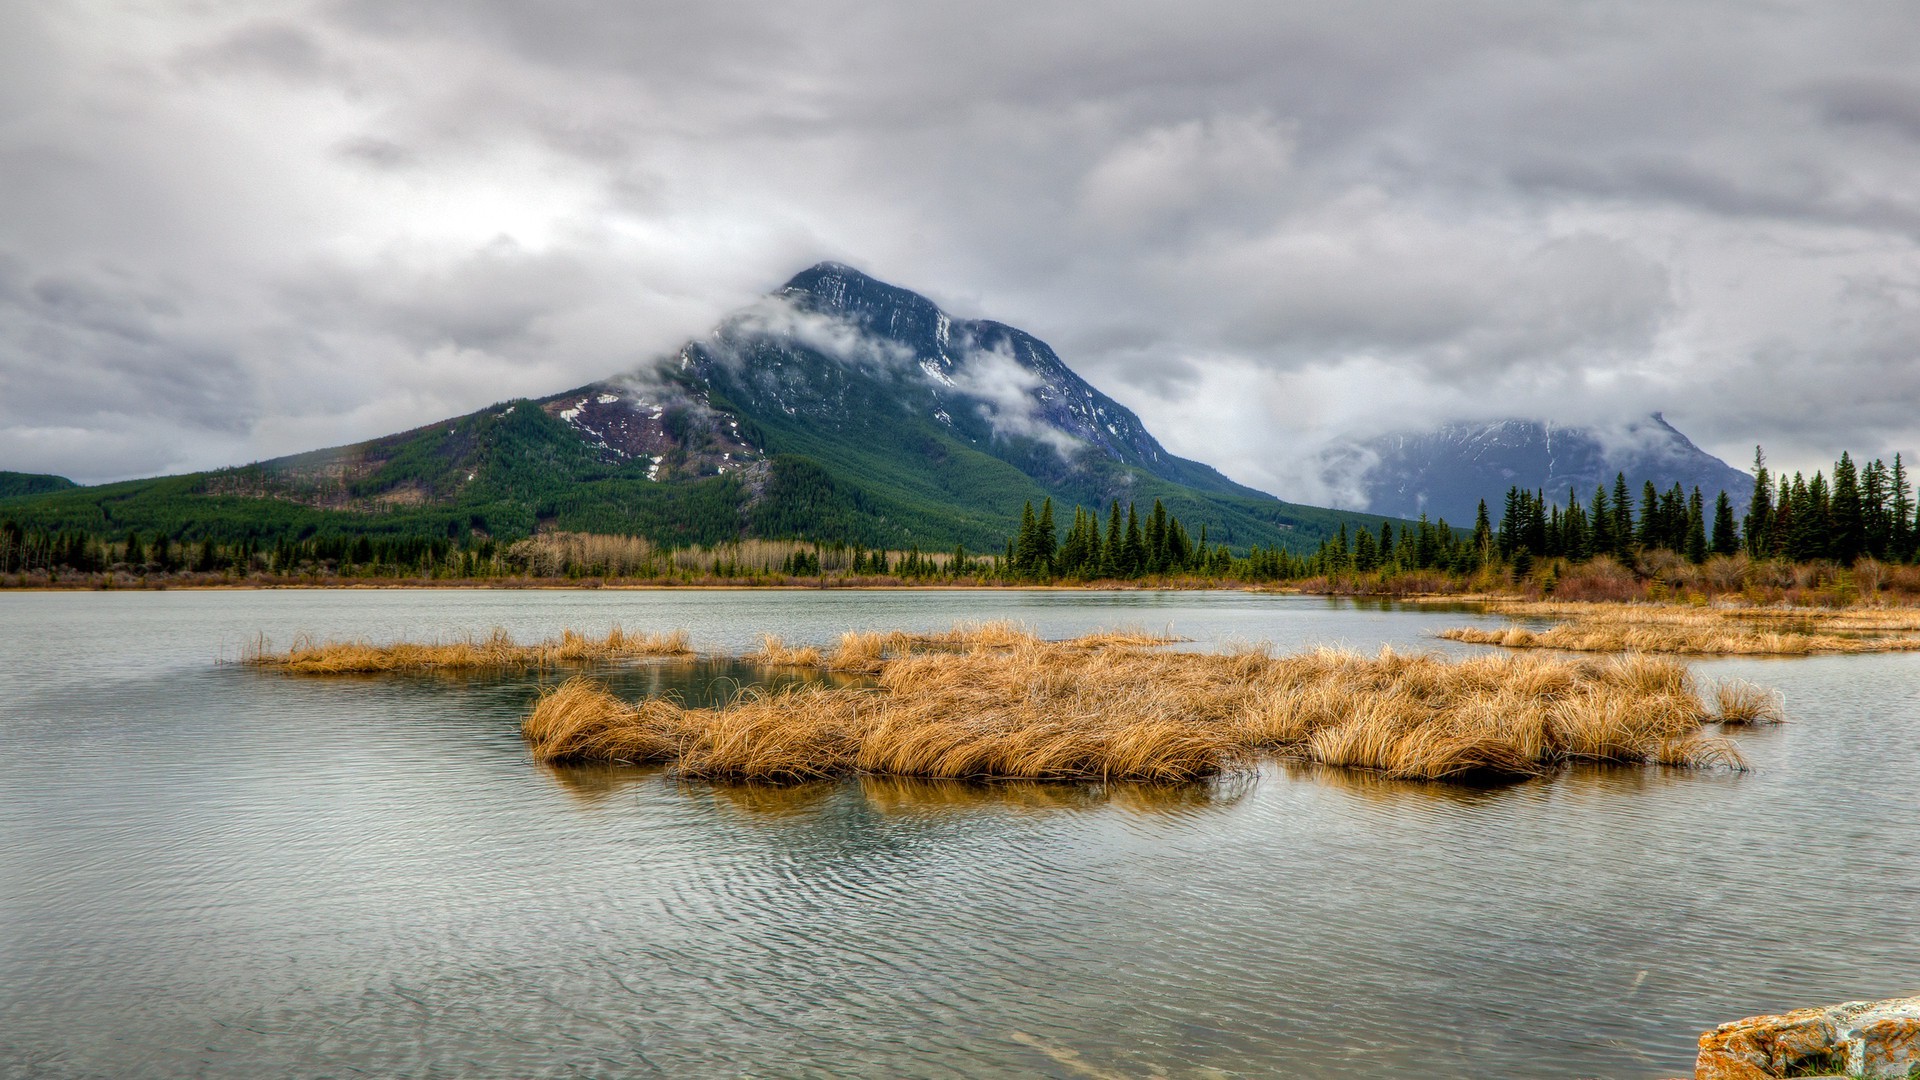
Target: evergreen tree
1696, 541
1651, 526
1482, 534
1847, 537
1133, 561
1602, 515
1759, 523
1366, 552
1726, 540
1877, 521
1622, 517
1510, 523
1046, 539
1026, 547
1900, 543
1113, 551
1156, 539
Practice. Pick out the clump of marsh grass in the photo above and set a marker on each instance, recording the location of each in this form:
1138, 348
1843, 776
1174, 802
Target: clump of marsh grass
1702, 630
777, 653
497, 650
1008, 706
1742, 703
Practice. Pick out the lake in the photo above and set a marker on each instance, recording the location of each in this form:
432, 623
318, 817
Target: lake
210, 871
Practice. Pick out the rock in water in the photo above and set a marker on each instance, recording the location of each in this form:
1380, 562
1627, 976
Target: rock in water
1878, 1040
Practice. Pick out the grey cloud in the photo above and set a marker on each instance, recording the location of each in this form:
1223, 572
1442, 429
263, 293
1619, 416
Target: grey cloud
1260, 226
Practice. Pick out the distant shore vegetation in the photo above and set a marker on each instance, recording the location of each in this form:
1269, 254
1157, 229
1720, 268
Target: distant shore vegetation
1821, 540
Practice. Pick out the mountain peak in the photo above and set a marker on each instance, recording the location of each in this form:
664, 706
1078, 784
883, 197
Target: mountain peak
1446, 470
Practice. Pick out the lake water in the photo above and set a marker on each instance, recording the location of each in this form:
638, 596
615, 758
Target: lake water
208, 871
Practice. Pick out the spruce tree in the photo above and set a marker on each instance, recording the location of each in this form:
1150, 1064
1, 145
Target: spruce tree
1134, 547
1510, 523
1156, 539
1622, 517
1726, 540
1602, 516
1112, 552
1045, 542
1847, 523
1651, 525
1696, 540
1026, 547
1482, 534
1877, 522
1759, 523
1900, 507
1366, 551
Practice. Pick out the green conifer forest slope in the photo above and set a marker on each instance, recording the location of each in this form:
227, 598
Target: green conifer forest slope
838, 409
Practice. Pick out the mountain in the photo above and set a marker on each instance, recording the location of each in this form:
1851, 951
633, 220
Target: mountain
837, 408
19, 483
1445, 472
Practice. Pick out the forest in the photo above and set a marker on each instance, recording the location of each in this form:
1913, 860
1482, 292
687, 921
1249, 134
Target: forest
1858, 514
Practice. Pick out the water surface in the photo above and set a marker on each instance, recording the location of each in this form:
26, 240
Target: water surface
209, 871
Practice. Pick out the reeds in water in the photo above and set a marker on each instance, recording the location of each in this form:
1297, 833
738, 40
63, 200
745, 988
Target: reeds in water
1002, 704
496, 650
1702, 631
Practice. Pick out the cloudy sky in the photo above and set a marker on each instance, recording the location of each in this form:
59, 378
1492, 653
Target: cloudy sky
234, 230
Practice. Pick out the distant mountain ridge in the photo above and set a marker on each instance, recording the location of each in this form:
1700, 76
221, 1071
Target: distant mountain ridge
836, 408
19, 483
1446, 471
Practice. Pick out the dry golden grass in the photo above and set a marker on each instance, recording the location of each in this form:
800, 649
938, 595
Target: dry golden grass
1702, 630
776, 652
1024, 709
497, 650
1739, 702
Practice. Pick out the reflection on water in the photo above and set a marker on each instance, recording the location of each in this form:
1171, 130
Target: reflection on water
211, 872
592, 785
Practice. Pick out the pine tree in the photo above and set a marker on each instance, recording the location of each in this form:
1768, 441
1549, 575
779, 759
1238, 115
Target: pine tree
1847, 538
1759, 523
1366, 551
1877, 521
1026, 548
1156, 539
1650, 523
1622, 517
1482, 534
1112, 553
1602, 516
1726, 540
1900, 506
1134, 547
1696, 541
1510, 523
1045, 542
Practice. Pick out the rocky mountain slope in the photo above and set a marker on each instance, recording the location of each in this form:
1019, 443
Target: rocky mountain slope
837, 408
1445, 472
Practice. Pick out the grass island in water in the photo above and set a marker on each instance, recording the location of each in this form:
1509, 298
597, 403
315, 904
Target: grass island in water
1706, 630
994, 701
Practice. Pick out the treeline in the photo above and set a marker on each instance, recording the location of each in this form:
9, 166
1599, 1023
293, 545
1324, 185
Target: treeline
24, 551
1125, 549
1131, 546
1862, 512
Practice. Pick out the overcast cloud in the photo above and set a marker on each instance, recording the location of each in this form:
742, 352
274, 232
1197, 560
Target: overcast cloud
236, 230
